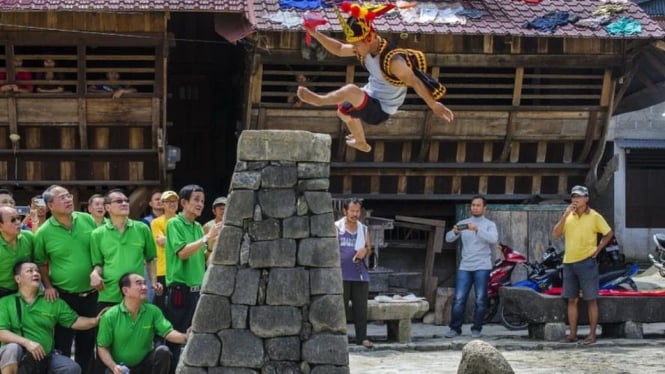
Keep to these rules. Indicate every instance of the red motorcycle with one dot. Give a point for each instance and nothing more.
(501, 277)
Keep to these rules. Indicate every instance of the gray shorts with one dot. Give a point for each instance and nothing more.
(9, 354)
(583, 276)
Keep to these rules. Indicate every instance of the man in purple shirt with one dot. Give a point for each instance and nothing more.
(354, 247)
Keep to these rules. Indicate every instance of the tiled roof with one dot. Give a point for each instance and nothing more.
(653, 8)
(140, 5)
(503, 17)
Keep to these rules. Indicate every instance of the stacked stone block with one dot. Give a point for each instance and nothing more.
(271, 300)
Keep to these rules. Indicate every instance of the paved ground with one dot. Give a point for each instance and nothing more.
(430, 352)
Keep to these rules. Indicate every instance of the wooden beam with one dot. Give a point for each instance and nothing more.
(402, 181)
(375, 180)
(517, 86)
(591, 129)
(422, 221)
(511, 127)
(442, 166)
(433, 157)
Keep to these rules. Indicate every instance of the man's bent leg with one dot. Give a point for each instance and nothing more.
(63, 365)
(10, 355)
(355, 127)
(158, 361)
(462, 288)
(350, 93)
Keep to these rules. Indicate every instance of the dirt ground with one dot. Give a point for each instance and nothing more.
(570, 361)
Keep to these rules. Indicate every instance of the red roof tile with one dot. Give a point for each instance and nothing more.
(100, 5)
(503, 17)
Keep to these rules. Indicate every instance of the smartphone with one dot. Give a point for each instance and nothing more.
(22, 210)
(462, 226)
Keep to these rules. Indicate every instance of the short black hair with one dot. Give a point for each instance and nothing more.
(187, 191)
(125, 281)
(481, 198)
(95, 196)
(4, 191)
(107, 197)
(352, 200)
(48, 193)
(19, 265)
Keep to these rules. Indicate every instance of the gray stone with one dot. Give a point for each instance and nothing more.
(279, 203)
(257, 165)
(202, 350)
(247, 285)
(323, 226)
(281, 367)
(221, 370)
(301, 206)
(319, 202)
(552, 332)
(309, 170)
(304, 367)
(244, 250)
(184, 369)
(239, 207)
(273, 253)
(325, 281)
(274, 321)
(479, 357)
(263, 285)
(295, 227)
(288, 287)
(313, 185)
(219, 280)
(228, 246)
(240, 166)
(306, 332)
(241, 348)
(264, 230)
(246, 180)
(328, 369)
(283, 163)
(258, 213)
(212, 314)
(287, 348)
(318, 252)
(287, 145)
(239, 316)
(327, 314)
(279, 177)
(326, 349)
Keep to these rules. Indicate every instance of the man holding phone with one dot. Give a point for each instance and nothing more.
(479, 235)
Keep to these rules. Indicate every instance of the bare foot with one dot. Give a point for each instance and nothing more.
(362, 147)
(309, 97)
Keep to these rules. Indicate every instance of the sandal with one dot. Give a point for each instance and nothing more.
(568, 339)
(367, 344)
(589, 340)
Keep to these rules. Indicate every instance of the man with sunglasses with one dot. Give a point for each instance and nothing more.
(117, 247)
(63, 243)
(15, 245)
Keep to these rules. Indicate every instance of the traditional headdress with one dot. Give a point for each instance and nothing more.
(358, 26)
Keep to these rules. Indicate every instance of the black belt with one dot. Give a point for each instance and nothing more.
(191, 289)
(80, 294)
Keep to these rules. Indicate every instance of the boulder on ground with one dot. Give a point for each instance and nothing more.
(479, 357)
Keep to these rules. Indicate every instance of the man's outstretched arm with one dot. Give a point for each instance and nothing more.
(333, 45)
(401, 70)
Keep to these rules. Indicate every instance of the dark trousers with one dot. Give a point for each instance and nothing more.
(84, 341)
(357, 292)
(160, 301)
(181, 317)
(156, 362)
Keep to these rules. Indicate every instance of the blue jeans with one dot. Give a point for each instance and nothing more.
(480, 280)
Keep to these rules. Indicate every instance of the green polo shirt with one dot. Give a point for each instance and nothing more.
(67, 252)
(9, 256)
(128, 339)
(38, 319)
(118, 253)
(180, 232)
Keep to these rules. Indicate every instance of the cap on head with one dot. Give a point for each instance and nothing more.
(579, 190)
(219, 201)
(358, 26)
(168, 195)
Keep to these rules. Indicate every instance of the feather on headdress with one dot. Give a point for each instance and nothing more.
(358, 26)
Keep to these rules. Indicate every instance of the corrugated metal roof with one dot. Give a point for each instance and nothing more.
(653, 7)
(126, 5)
(504, 17)
(641, 143)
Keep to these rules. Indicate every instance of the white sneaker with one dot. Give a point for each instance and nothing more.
(451, 334)
(475, 334)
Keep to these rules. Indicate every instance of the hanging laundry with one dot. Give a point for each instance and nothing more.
(624, 26)
(550, 21)
(594, 23)
(301, 4)
(288, 19)
(470, 13)
(609, 9)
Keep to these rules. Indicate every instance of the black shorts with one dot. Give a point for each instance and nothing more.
(369, 111)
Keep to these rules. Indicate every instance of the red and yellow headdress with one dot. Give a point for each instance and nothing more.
(358, 26)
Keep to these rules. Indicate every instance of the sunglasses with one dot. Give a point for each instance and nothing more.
(119, 201)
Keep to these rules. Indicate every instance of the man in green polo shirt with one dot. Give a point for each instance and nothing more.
(127, 331)
(15, 245)
(185, 260)
(119, 246)
(32, 332)
(63, 242)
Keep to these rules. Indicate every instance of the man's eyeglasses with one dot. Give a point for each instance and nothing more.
(119, 201)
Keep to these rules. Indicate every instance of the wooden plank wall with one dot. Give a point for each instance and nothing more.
(529, 113)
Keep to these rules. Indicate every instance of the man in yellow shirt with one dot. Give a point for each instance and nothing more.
(581, 225)
(158, 226)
